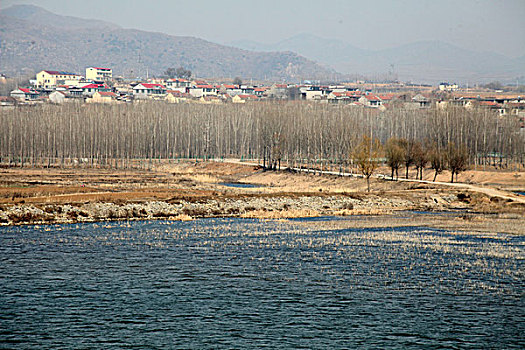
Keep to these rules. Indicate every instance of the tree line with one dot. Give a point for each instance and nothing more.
(294, 133)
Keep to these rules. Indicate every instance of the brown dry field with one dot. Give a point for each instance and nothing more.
(199, 181)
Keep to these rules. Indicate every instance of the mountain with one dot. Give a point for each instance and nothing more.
(38, 15)
(33, 39)
(424, 61)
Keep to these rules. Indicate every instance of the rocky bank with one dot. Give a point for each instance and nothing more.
(255, 207)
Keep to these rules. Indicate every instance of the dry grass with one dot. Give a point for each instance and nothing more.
(200, 181)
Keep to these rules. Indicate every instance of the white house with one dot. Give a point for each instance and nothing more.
(370, 101)
(149, 90)
(24, 94)
(57, 97)
(99, 73)
(203, 90)
(178, 84)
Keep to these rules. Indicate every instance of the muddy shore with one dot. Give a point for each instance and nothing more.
(188, 191)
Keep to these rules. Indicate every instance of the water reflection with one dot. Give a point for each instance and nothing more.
(243, 283)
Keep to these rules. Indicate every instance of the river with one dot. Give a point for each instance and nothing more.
(243, 283)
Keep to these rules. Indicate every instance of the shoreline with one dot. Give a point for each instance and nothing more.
(189, 190)
(446, 212)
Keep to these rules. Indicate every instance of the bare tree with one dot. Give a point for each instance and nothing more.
(394, 155)
(457, 157)
(366, 156)
(420, 159)
(437, 159)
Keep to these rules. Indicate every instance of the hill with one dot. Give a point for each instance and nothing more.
(33, 39)
(424, 61)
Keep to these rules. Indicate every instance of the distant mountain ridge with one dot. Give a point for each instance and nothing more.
(38, 15)
(33, 39)
(424, 61)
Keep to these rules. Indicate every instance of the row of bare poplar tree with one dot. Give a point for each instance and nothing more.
(295, 133)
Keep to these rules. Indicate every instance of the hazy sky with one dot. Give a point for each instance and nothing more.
(483, 25)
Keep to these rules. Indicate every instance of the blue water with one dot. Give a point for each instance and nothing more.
(242, 283)
(239, 185)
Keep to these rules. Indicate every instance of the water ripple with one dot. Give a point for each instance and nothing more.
(246, 283)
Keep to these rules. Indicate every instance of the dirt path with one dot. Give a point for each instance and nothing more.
(491, 192)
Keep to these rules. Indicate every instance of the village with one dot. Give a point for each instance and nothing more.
(98, 85)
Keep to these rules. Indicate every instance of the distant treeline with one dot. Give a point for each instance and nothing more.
(295, 133)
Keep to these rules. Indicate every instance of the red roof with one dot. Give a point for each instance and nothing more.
(386, 96)
(107, 93)
(205, 86)
(92, 86)
(482, 103)
(152, 86)
(26, 90)
(248, 97)
(100, 68)
(229, 86)
(261, 89)
(372, 98)
(177, 93)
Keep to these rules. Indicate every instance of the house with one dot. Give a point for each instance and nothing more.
(387, 98)
(51, 78)
(103, 97)
(247, 90)
(420, 101)
(243, 98)
(24, 94)
(178, 84)
(175, 96)
(231, 90)
(338, 97)
(260, 91)
(370, 101)
(493, 106)
(210, 99)
(198, 91)
(145, 90)
(90, 89)
(448, 87)
(57, 97)
(278, 91)
(7, 101)
(99, 74)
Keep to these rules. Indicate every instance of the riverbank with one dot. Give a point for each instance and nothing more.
(189, 190)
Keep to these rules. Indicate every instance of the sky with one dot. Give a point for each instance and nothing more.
(481, 25)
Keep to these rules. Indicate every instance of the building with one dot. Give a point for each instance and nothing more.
(149, 90)
(51, 78)
(24, 94)
(200, 90)
(175, 96)
(90, 89)
(57, 97)
(98, 74)
(370, 101)
(178, 84)
(244, 98)
(103, 97)
(7, 101)
(448, 87)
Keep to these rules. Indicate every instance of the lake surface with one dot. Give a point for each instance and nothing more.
(243, 283)
(239, 185)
